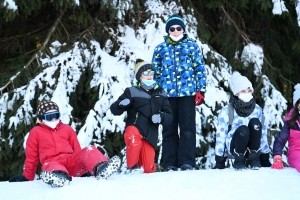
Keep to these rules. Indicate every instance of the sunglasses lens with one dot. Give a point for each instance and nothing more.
(172, 29)
(147, 73)
(52, 116)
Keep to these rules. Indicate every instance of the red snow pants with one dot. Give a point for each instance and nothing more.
(138, 150)
(75, 164)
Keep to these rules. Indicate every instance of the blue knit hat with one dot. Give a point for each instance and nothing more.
(175, 20)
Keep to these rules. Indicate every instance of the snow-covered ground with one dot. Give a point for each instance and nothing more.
(265, 183)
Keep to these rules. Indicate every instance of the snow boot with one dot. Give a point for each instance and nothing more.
(186, 167)
(239, 161)
(171, 169)
(253, 159)
(159, 168)
(56, 178)
(135, 170)
(106, 169)
(264, 159)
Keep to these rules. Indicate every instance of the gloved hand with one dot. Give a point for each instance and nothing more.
(124, 103)
(277, 162)
(199, 98)
(18, 178)
(264, 160)
(220, 162)
(156, 118)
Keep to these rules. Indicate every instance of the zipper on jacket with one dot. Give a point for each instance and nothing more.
(136, 116)
(175, 67)
(151, 97)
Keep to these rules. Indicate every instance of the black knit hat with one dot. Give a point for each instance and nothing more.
(141, 66)
(44, 107)
(175, 20)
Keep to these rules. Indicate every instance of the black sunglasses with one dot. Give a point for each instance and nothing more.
(51, 116)
(172, 29)
(148, 73)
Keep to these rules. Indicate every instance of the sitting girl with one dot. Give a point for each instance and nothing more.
(290, 132)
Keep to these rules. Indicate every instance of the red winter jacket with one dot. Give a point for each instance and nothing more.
(45, 143)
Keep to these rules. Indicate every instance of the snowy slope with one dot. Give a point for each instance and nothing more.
(265, 183)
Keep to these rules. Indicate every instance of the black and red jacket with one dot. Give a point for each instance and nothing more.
(144, 104)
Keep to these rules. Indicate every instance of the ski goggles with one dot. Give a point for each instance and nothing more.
(179, 28)
(51, 116)
(148, 73)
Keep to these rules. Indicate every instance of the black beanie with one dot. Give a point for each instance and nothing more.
(45, 106)
(175, 20)
(141, 66)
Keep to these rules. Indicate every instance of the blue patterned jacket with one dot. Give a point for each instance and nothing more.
(223, 137)
(180, 67)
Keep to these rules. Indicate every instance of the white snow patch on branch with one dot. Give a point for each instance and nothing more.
(278, 7)
(10, 4)
(253, 54)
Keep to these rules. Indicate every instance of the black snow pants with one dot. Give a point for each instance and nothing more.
(179, 147)
(247, 137)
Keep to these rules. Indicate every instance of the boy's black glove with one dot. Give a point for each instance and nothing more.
(18, 178)
(220, 162)
(264, 160)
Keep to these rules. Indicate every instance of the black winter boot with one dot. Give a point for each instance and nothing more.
(185, 167)
(105, 169)
(171, 169)
(253, 159)
(239, 161)
(136, 169)
(264, 160)
(220, 162)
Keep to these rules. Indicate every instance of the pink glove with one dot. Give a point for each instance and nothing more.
(199, 98)
(277, 162)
